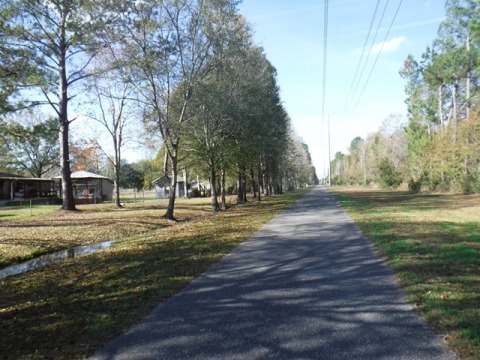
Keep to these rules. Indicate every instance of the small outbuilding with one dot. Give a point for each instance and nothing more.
(88, 188)
(162, 187)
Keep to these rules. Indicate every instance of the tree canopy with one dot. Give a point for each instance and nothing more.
(31, 149)
(188, 70)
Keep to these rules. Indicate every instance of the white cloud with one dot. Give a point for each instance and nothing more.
(390, 45)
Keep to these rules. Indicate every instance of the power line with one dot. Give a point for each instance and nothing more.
(325, 47)
(378, 55)
(368, 55)
(363, 51)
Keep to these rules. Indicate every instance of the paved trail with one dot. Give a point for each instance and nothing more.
(306, 286)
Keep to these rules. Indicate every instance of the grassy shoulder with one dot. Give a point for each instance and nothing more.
(68, 310)
(433, 243)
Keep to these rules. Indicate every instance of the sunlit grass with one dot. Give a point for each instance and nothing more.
(432, 243)
(67, 310)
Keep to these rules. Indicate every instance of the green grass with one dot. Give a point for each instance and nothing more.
(22, 212)
(433, 243)
(474, 238)
(68, 310)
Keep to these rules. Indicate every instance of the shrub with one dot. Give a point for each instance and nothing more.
(389, 176)
(414, 186)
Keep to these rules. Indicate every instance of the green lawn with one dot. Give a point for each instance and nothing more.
(433, 243)
(68, 310)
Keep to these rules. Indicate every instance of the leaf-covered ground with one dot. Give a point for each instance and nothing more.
(67, 310)
(433, 243)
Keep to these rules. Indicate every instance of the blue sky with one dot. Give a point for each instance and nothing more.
(291, 33)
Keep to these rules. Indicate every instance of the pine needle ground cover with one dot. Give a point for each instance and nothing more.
(68, 310)
(432, 242)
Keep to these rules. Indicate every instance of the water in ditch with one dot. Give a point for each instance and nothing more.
(54, 257)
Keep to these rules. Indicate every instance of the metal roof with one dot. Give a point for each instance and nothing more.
(87, 174)
(82, 174)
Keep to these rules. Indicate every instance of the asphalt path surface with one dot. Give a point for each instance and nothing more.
(307, 285)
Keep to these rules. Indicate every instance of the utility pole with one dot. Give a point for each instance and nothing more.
(364, 164)
(324, 180)
(325, 41)
(329, 156)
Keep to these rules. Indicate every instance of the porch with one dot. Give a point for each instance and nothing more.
(15, 188)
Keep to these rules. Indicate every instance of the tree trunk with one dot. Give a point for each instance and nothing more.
(268, 180)
(116, 183)
(244, 184)
(117, 168)
(116, 188)
(165, 162)
(68, 201)
(213, 187)
(185, 182)
(254, 185)
(239, 188)
(259, 197)
(173, 185)
(223, 190)
(264, 183)
(267, 185)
